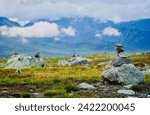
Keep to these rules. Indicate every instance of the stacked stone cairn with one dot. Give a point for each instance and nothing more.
(122, 71)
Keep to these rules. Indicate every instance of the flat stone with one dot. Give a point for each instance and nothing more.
(118, 61)
(148, 96)
(85, 86)
(132, 97)
(38, 95)
(10, 96)
(5, 92)
(123, 55)
(31, 90)
(141, 95)
(126, 92)
(128, 86)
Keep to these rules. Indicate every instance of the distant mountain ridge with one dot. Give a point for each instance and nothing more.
(6, 22)
(135, 37)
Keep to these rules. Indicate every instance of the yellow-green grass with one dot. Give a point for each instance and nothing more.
(3, 60)
(55, 72)
(60, 81)
(140, 58)
(47, 75)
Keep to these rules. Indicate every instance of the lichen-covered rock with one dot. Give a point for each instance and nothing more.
(24, 61)
(74, 61)
(118, 61)
(124, 74)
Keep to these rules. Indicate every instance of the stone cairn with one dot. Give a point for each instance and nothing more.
(122, 71)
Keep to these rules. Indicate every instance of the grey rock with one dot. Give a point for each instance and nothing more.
(123, 55)
(85, 86)
(38, 95)
(118, 61)
(125, 74)
(24, 61)
(31, 90)
(128, 86)
(146, 72)
(148, 96)
(141, 95)
(132, 97)
(126, 92)
(74, 61)
(5, 93)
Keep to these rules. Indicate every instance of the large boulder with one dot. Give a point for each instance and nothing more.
(24, 61)
(118, 61)
(74, 61)
(124, 74)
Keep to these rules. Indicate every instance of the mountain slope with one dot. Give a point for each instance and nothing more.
(134, 35)
(6, 22)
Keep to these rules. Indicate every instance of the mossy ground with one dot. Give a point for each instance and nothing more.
(57, 81)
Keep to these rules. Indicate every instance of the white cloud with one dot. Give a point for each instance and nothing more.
(70, 31)
(98, 35)
(109, 31)
(21, 22)
(117, 10)
(39, 29)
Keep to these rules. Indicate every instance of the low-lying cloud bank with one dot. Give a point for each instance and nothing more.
(37, 30)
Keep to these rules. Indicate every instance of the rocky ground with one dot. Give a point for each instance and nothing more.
(102, 89)
(106, 90)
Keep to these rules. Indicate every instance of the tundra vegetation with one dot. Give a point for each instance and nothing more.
(62, 81)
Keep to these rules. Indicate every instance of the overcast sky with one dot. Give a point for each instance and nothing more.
(116, 10)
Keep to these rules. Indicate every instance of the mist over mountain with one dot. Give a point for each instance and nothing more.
(84, 34)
